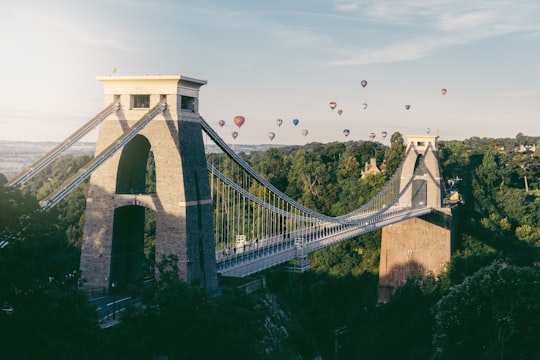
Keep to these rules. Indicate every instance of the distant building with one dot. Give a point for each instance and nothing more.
(526, 148)
(371, 167)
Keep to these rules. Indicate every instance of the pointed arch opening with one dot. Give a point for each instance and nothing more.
(136, 170)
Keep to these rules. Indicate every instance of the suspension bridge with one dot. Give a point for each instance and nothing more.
(215, 219)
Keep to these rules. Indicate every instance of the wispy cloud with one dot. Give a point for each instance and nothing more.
(445, 23)
(519, 93)
(71, 26)
(294, 37)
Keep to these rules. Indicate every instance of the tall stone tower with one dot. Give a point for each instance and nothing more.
(418, 246)
(119, 198)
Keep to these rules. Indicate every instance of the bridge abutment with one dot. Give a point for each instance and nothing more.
(417, 247)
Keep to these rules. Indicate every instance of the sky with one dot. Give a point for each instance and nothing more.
(281, 59)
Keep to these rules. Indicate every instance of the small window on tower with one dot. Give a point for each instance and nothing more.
(141, 101)
(188, 103)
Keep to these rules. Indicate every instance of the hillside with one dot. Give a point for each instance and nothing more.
(16, 155)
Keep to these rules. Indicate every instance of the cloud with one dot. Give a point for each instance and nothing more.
(520, 93)
(299, 37)
(445, 23)
(68, 25)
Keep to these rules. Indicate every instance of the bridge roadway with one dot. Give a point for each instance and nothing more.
(265, 253)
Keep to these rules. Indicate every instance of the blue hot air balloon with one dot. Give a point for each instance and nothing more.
(295, 122)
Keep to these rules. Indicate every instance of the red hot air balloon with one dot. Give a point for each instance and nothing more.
(363, 83)
(221, 123)
(333, 105)
(239, 120)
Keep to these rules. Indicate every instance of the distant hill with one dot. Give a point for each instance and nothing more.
(17, 155)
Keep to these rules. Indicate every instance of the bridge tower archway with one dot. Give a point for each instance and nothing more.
(118, 191)
(422, 158)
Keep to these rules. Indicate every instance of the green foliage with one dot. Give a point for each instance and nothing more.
(493, 314)
(473, 310)
(183, 322)
(355, 256)
(394, 154)
(39, 275)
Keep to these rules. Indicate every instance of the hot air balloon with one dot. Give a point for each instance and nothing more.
(271, 136)
(333, 105)
(239, 120)
(384, 134)
(234, 134)
(305, 132)
(364, 105)
(279, 122)
(443, 91)
(295, 122)
(221, 123)
(364, 83)
(114, 69)
(372, 136)
(407, 107)
(346, 132)
(428, 130)
(340, 111)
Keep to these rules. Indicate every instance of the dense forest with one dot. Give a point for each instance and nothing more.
(486, 306)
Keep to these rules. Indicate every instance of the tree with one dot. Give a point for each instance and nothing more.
(394, 154)
(493, 314)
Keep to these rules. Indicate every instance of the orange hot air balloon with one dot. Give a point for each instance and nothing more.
(443, 91)
(239, 120)
(221, 123)
(333, 105)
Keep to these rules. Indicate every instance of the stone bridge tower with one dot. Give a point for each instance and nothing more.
(419, 246)
(120, 199)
